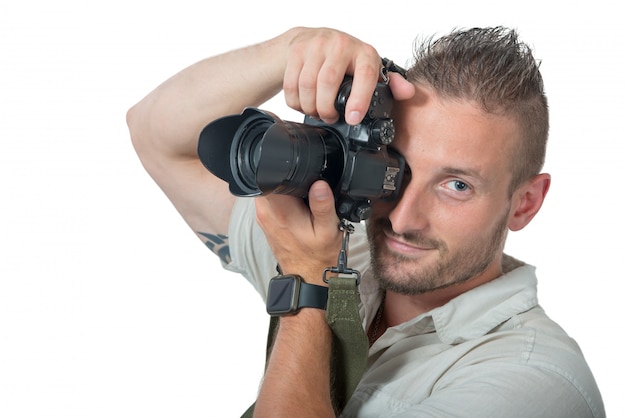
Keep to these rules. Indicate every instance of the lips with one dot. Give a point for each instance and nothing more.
(410, 245)
(405, 248)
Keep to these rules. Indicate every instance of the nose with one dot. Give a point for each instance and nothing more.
(409, 212)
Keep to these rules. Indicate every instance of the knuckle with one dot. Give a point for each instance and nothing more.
(307, 82)
(330, 76)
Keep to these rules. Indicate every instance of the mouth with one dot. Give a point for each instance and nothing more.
(409, 245)
(404, 248)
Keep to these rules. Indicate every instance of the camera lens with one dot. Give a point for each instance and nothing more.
(293, 156)
(257, 153)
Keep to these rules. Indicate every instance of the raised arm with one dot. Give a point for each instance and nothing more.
(165, 125)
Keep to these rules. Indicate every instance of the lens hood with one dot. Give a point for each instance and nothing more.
(219, 141)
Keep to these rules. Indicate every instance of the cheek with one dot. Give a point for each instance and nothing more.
(465, 224)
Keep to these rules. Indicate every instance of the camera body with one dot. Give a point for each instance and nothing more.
(267, 155)
(366, 151)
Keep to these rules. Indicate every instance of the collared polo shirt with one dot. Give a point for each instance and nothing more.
(490, 352)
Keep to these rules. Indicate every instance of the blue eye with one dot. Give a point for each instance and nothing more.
(458, 185)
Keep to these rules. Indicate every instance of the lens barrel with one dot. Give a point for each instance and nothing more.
(293, 156)
(257, 153)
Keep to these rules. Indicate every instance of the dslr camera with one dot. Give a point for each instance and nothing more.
(257, 153)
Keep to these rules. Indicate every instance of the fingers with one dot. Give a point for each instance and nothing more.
(277, 212)
(318, 220)
(365, 77)
(304, 240)
(329, 80)
(318, 60)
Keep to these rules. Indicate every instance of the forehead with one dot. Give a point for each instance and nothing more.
(451, 132)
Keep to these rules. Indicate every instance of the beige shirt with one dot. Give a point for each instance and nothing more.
(490, 352)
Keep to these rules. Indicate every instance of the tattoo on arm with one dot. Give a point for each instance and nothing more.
(218, 244)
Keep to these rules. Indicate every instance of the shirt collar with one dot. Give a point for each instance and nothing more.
(478, 311)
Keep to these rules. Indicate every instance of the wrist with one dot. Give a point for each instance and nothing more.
(308, 325)
(310, 273)
(288, 294)
(310, 317)
(310, 276)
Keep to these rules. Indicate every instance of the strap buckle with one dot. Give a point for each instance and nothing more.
(342, 260)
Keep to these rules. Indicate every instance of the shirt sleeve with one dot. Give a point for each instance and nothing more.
(250, 253)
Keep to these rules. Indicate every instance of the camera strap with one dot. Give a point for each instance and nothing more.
(350, 343)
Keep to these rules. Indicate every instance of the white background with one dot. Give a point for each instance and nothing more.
(109, 305)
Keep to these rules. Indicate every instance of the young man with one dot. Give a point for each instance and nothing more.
(454, 324)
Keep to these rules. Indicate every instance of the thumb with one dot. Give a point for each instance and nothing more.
(322, 203)
(401, 88)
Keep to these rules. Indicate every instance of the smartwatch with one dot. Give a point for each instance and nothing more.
(287, 294)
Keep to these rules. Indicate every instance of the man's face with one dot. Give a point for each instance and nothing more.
(449, 224)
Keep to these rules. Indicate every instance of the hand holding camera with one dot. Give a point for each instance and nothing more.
(258, 153)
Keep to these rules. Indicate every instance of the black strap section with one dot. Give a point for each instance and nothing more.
(312, 296)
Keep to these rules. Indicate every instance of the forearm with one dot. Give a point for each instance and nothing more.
(166, 124)
(297, 379)
(170, 118)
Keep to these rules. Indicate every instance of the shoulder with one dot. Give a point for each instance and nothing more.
(527, 366)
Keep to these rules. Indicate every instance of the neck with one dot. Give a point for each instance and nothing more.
(378, 326)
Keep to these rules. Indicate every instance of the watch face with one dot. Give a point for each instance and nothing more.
(281, 295)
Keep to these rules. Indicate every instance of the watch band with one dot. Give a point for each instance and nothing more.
(312, 296)
(287, 294)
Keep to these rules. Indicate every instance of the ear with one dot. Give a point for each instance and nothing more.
(527, 201)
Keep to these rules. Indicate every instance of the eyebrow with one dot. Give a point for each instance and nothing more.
(464, 172)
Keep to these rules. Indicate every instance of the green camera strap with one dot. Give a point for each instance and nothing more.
(350, 344)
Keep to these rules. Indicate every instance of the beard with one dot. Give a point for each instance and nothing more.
(409, 276)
